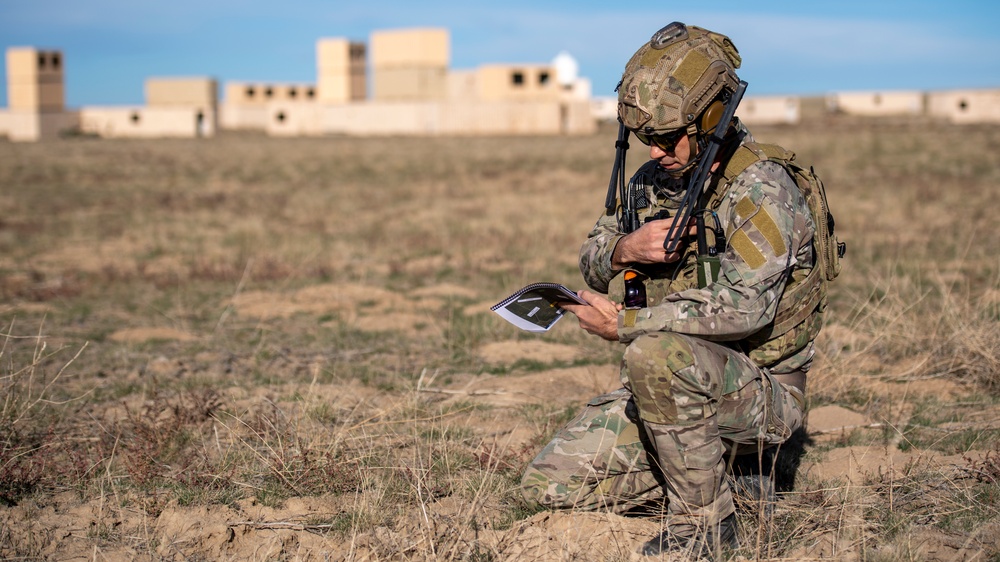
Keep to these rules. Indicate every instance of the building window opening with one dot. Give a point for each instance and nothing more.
(310, 93)
(250, 92)
(134, 117)
(280, 117)
(963, 105)
(41, 60)
(293, 93)
(268, 92)
(56, 61)
(543, 78)
(517, 78)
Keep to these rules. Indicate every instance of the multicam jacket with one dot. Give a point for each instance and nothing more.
(769, 233)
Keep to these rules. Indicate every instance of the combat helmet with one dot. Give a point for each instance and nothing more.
(674, 81)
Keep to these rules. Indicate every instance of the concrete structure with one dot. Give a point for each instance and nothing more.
(35, 80)
(410, 64)
(872, 104)
(415, 93)
(142, 122)
(769, 110)
(431, 118)
(340, 71)
(175, 107)
(246, 104)
(507, 82)
(199, 94)
(965, 106)
(35, 95)
(30, 126)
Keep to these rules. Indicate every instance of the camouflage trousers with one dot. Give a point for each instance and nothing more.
(664, 435)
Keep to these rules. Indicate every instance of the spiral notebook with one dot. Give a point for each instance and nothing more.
(535, 307)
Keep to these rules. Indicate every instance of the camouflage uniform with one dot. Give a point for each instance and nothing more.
(697, 383)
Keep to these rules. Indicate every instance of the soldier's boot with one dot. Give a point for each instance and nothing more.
(700, 513)
(755, 493)
(711, 544)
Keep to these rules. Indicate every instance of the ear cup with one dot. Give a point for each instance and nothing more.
(710, 118)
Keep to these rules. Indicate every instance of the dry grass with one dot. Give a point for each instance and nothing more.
(250, 347)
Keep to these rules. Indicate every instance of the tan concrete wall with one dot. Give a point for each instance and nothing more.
(462, 85)
(877, 103)
(35, 79)
(242, 117)
(410, 84)
(517, 83)
(409, 64)
(182, 92)
(604, 108)
(145, 122)
(30, 126)
(295, 119)
(249, 93)
(421, 47)
(774, 110)
(433, 118)
(341, 75)
(965, 106)
(578, 117)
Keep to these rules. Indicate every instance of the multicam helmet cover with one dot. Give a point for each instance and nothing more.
(672, 79)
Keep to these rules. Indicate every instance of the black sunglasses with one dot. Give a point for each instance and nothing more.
(664, 142)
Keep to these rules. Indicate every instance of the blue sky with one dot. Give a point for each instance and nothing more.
(801, 47)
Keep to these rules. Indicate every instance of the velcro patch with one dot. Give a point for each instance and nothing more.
(763, 222)
(745, 249)
(629, 320)
(689, 71)
(766, 225)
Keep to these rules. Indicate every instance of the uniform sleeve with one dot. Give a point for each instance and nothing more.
(768, 229)
(596, 253)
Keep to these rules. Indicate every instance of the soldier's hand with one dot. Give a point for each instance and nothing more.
(645, 245)
(599, 317)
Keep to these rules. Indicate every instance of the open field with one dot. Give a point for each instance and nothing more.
(253, 348)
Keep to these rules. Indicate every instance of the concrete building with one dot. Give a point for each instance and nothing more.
(246, 105)
(143, 122)
(770, 110)
(415, 93)
(410, 64)
(873, 104)
(965, 106)
(200, 94)
(341, 75)
(36, 95)
(175, 108)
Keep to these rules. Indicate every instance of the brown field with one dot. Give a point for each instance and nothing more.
(251, 348)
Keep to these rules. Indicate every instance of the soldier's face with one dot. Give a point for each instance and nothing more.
(672, 159)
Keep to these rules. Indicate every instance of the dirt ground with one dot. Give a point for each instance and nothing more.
(221, 352)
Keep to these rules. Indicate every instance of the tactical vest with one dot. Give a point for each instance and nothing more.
(799, 316)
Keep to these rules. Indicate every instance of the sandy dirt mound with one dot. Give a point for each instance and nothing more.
(574, 536)
(510, 352)
(834, 419)
(138, 335)
(368, 308)
(572, 385)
